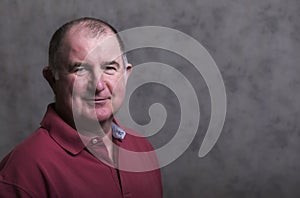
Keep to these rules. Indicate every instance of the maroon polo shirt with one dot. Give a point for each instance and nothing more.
(53, 162)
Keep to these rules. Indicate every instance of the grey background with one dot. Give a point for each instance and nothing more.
(256, 46)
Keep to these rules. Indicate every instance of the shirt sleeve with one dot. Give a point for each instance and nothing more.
(8, 190)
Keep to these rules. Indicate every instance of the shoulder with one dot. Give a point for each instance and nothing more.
(21, 168)
(29, 158)
(32, 149)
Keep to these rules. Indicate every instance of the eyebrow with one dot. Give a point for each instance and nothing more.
(111, 63)
(77, 64)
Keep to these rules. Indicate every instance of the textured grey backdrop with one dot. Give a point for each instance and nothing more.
(256, 45)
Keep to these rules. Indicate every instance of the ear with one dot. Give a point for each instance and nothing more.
(48, 75)
(128, 69)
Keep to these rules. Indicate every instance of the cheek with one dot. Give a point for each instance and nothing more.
(79, 87)
(118, 88)
(118, 96)
(71, 89)
(64, 88)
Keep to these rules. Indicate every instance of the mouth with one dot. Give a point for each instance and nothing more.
(98, 100)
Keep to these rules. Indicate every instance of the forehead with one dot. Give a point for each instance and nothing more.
(81, 43)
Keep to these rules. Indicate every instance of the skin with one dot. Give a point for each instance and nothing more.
(91, 80)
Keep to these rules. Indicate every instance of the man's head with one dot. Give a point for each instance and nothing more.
(87, 70)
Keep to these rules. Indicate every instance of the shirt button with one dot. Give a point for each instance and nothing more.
(94, 141)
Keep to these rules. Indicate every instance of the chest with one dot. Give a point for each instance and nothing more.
(86, 176)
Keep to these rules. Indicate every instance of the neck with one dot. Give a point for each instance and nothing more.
(86, 126)
(94, 128)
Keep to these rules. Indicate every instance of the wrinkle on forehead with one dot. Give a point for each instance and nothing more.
(79, 43)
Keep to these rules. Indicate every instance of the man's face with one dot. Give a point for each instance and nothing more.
(91, 77)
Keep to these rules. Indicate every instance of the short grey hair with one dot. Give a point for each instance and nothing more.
(95, 26)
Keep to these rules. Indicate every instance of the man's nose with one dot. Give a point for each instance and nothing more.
(100, 85)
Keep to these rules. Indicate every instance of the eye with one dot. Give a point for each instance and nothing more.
(110, 69)
(80, 71)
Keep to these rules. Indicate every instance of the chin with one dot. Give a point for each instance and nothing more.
(103, 115)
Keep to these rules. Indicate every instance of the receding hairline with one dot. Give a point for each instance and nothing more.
(92, 26)
(91, 31)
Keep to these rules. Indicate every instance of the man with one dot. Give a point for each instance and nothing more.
(77, 150)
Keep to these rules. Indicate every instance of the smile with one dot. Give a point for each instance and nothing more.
(99, 101)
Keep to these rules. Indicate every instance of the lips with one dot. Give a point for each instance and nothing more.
(98, 100)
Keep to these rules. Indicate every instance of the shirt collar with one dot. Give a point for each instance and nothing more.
(117, 132)
(66, 136)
